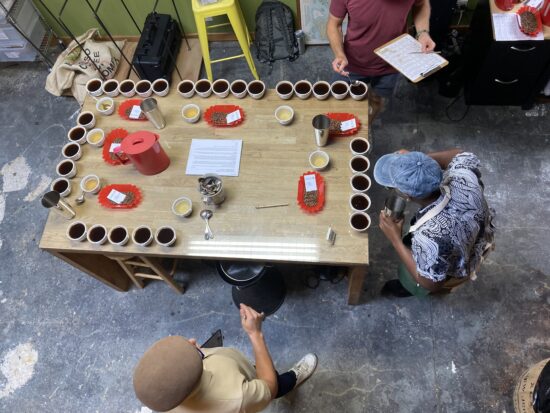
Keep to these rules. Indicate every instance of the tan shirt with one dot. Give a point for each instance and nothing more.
(228, 385)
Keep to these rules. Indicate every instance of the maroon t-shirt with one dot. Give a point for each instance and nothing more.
(371, 23)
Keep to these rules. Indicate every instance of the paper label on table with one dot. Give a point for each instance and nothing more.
(506, 26)
(233, 116)
(135, 113)
(221, 157)
(116, 197)
(403, 55)
(348, 124)
(3, 35)
(310, 183)
(114, 146)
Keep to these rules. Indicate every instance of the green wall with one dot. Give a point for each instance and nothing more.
(78, 16)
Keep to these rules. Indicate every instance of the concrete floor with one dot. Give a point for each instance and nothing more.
(69, 344)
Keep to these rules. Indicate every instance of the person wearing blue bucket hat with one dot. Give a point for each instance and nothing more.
(451, 233)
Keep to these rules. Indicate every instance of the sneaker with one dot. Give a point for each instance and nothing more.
(395, 288)
(304, 368)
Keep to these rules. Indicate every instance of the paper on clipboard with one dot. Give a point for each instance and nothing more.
(402, 53)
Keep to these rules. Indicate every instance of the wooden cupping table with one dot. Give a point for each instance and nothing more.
(273, 158)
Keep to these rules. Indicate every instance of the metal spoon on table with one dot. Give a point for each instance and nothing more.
(206, 214)
(80, 199)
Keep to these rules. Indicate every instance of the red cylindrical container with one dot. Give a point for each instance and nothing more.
(144, 151)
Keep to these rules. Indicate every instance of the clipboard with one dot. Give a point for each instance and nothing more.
(402, 54)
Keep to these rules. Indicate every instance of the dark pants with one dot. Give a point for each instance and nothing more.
(285, 382)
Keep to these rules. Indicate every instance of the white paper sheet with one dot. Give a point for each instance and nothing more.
(221, 157)
(116, 197)
(506, 27)
(403, 55)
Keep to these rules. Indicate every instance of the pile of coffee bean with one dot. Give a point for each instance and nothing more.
(335, 126)
(129, 198)
(219, 118)
(311, 198)
(528, 22)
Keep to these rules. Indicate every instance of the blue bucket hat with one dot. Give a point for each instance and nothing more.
(413, 173)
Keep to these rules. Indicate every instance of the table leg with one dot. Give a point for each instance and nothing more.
(98, 266)
(356, 277)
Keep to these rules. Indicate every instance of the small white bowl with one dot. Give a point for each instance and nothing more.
(75, 156)
(194, 118)
(88, 189)
(182, 207)
(116, 242)
(86, 114)
(114, 92)
(128, 92)
(96, 92)
(61, 166)
(204, 93)
(322, 96)
(285, 96)
(254, 95)
(77, 226)
(91, 236)
(225, 84)
(359, 96)
(188, 93)
(284, 120)
(140, 242)
(91, 137)
(360, 177)
(359, 146)
(359, 160)
(67, 191)
(357, 197)
(81, 130)
(342, 95)
(105, 106)
(161, 241)
(164, 84)
(360, 216)
(242, 93)
(305, 95)
(319, 160)
(144, 88)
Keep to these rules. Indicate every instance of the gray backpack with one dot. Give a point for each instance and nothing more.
(275, 38)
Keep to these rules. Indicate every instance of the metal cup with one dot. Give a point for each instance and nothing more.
(395, 207)
(211, 189)
(53, 200)
(321, 125)
(150, 108)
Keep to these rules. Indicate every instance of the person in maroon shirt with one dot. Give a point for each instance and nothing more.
(372, 23)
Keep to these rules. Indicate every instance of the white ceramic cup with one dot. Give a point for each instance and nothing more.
(359, 221)
(127, 88)
(359, 146)
(321, 94)
(303, 89)
(186, 88)
(97, 234)
(203, 88)
(359, 164)
(91, 137)
(161, 87)
(72, 150)
(118, 235)
(92, 89)
(238, 88)
(253, 89)
(336, 93)
(61, 186)
(359, 202)
(182, 211)
(144, 88)
(66, 168)
(358, 95)
(106, 101)
(111, 88)
(191, 119)
(221, 88)
(165, 236)
(76, 231)
(77, 134)
(284, 89)
(282, 109)
(86, 119)
(90, 184)
(315, 159)
(360, 182)
(142, 236)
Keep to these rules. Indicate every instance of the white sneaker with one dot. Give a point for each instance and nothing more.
(304, 368)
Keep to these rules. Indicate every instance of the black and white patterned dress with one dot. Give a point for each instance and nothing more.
(453, 243)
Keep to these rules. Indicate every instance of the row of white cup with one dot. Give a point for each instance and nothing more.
(127, 88)
(90, 184)
(222, 88)
(360, 182)
(303, 89)
(119, 235)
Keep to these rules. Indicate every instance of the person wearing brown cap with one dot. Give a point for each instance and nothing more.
(176, 375)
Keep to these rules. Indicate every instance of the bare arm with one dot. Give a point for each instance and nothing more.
(443, 158)
(393, 231)
(251, 321)
(336, 40)
(421, 17)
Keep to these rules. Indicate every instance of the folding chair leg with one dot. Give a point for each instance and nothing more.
(155, 264)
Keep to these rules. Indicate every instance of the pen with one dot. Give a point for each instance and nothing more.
(425, 52)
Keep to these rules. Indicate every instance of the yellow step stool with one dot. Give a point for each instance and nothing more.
(233, 11)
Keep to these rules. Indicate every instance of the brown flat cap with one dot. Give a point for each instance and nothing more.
(167, 373)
